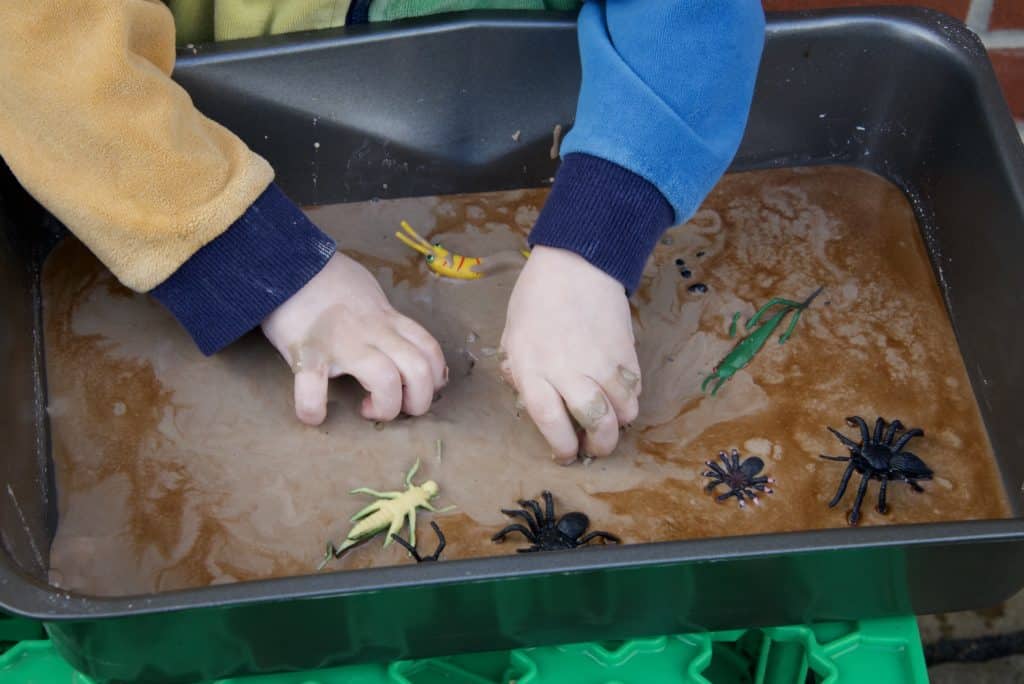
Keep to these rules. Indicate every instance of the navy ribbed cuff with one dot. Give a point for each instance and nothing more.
(232, 283)
(607, 214)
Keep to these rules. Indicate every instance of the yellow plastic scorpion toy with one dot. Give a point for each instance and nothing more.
(442, 262)
(390, 511)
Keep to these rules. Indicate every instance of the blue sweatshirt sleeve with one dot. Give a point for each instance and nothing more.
(232, 283)
(667, 87)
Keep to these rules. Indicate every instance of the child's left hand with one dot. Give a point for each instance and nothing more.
(570, 351)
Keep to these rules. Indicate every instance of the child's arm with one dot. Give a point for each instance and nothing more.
(667, 86)
(176, 205)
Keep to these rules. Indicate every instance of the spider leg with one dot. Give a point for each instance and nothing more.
(524, 515)
(408, 547)
(857, 421)
(535, 509)
(599, 534)
(710, 487)
(549, 508)
(515, 527)
(735, 460)
(849, 443)
(879, 427)
(834, 458)
(724, 458)
(441, 541)
(894, 427)
(861, 490)
(530, 549)
(752, 496)
(916, 487)
(714, 464)
(881, 495)
(842, 486)
(716, 470)
(907, 436)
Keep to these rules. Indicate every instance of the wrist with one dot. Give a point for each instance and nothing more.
(232, 283)
(609, 216)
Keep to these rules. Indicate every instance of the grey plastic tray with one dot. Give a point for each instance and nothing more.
(428, 108)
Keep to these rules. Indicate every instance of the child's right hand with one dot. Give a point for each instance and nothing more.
(341, 323)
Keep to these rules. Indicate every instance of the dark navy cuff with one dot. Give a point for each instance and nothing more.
(607, 214)
(232, 283)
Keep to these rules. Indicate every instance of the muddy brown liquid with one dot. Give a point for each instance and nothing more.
(175, 470)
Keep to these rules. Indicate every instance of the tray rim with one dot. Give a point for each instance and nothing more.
(29, 596)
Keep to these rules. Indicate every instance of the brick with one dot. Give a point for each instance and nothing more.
(1008, 14)
(1009, 66)
(954, 8)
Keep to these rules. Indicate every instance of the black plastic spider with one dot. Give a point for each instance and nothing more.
(547, 534)
(415, 554)
(878, 458)
(740, 477)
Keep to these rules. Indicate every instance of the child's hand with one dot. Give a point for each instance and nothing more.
(341, 323)
(569, 338)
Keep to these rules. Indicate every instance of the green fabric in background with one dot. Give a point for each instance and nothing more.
(205, 21)
(390, 10)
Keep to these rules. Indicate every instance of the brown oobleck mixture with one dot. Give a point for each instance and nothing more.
(175, 470)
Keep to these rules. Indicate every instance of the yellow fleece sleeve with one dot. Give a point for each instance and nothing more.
(94, 128)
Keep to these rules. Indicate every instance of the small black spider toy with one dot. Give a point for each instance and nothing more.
(547, 534)
(877, 457)
(739, 476)
(415, 554)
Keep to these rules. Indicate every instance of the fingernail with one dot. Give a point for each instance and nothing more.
(445, 376)
(628, 378)
(563, 460)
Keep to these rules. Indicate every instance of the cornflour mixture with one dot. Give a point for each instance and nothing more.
(175, 470)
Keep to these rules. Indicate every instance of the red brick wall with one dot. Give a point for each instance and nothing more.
(1000, 23)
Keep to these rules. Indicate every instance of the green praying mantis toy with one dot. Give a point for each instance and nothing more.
(744, 352)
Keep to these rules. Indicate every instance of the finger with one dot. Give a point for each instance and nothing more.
(593, 411)
(623, 390)
(311, 396)
(415, 371)
(380, 378)
(428, 346)
(544, 404)
(505, 370)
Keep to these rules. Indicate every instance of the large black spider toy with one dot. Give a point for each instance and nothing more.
(741, 477)
(415, 554)
(879, 457)
(545, 533)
